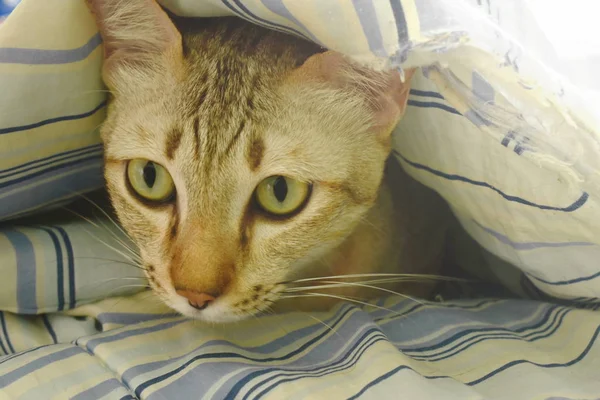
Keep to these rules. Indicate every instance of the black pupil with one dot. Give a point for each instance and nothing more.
(150, 174)
(280, 189)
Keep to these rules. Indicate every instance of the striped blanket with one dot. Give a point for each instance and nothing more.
(503, 122)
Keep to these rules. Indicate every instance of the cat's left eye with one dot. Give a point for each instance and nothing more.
(150, 180)
(282, 196)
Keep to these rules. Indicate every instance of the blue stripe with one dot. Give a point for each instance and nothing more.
(543, 333)
(379, 380)
(426, 93)
(520, 149)
(234, 391)
(254, 18)
(5, 332)
(575, 206)
(494, 337)
(395, 315)
(4, 350)
(530, 289)
(502, 313)
(431, 104)
(26, 270)
(549, 365)
(401, 25)
(529, 245)
(289, 339)
(49, 328)
(18, 373)
(349, 360)
(241, 383)
(42, 162)
(489, 375)
(60, 294)
(11, 55)
(70, 265)
(565, 282)
(53, 120)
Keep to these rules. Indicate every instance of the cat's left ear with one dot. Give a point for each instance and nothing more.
(385, 92)
(137, 35)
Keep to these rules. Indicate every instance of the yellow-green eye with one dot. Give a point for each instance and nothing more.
(281, 196)
(150, 180)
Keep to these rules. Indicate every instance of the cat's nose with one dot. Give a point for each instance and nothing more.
(195, 299)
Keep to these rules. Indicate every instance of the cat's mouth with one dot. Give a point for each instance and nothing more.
(230, 307)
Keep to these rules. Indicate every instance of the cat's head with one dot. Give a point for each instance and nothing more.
(236, 156)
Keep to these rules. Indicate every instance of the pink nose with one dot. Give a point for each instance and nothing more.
(197, 300)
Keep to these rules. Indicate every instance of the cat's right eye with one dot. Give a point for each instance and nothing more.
(150, 181)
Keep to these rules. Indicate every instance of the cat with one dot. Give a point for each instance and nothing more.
(249, 166)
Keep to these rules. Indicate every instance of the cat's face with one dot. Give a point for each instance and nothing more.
(235, 172)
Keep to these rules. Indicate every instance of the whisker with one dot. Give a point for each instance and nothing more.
(275, 317)
(131, 257)
(353, 284)
(321, 322)
(335, 284)
(105, 281)
(111, 219)
(343, 298)
(376, 275)
(380, 232)
(124, 287)
(110, 261)
(106, 214)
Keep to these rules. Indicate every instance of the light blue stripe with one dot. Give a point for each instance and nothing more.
(508, 315)
(368, 19)
(55, 204)
(85, 177)
(536, 331)
(100, 390)
(93, 343)
(130, 318)
(321, 347)
(10, 55)
(18, 373)
(482, 88)
(277, 7)
(348, 360)
(26, 270)
(50, 160)
(561, 365)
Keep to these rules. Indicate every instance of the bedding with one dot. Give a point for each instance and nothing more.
(503, 122)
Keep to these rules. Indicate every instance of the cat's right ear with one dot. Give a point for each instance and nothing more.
(386, 92)
(137, 35)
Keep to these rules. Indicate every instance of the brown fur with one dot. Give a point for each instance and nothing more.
(223, 104)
